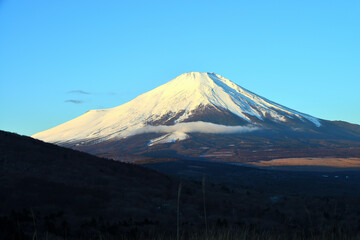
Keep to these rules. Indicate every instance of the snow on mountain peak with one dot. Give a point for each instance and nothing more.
(176, 100)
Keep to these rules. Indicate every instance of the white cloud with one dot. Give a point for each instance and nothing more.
(194, 127)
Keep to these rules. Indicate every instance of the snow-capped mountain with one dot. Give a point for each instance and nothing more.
(193, 103)
(177, 101)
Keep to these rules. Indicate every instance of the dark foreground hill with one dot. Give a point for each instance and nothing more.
(52, 192)
(71, 188)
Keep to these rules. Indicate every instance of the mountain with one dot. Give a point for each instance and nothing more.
(191, 97)
(180, 117)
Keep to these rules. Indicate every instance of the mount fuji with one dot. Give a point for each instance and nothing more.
(204, 115)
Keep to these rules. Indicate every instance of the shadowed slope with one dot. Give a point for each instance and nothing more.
(49, 179)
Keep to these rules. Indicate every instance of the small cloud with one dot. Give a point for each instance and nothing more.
(79, 92)
(74, 101)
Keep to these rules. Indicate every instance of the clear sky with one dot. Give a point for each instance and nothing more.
(59, 59)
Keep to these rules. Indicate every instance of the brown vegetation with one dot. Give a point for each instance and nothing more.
(326, 162)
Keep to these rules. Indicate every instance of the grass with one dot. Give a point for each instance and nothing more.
(204, 233)
(215, 234)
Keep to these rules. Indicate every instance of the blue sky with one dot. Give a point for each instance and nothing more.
(59, 59)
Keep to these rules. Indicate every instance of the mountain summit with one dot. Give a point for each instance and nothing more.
(191, 104)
